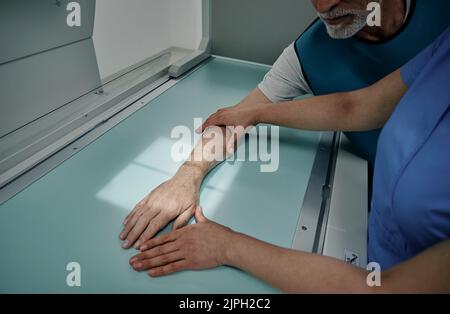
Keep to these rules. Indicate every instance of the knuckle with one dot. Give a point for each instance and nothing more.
(169, 268)
(188, 242)
(164, 259)
(132, 235)
(157, 208)
(166, 206)
(148, 244)
(165, 217)
(138, 214)
(143, 218)
(183, 221)
(139, 205)
(144, 237)
(165, 237)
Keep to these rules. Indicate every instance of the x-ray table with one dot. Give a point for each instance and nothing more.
(74, 213)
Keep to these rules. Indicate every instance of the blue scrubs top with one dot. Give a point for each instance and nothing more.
(411, 193)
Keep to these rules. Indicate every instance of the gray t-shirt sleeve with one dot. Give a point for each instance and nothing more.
(285, 81)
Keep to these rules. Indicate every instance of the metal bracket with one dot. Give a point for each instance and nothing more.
(310, 233)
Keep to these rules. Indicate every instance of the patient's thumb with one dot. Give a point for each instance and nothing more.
(199, 217)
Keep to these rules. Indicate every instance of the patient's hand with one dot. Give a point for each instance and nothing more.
(176, 199)
(199, 246)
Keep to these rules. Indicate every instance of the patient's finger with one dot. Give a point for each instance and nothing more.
(155, 225)
(136, 208)
(134, 234)
(184, 218)
(199, 217)
(129, 226)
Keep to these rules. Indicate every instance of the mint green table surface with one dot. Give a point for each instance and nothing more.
(75, 213)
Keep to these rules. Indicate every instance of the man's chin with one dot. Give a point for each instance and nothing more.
(341, 32)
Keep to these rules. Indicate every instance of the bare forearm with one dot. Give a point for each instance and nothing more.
(359, 110)
(324, 113)
(208, 153)
(197, 165)
(293, 271)
(256, 97)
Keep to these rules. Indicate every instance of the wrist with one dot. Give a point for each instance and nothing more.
(231, 249)
(192, 171)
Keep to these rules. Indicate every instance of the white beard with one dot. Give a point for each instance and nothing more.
(343, 32)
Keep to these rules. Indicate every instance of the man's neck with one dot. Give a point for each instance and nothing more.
(392, 19)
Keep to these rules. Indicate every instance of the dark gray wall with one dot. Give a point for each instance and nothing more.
(28, 26)
(258, 30)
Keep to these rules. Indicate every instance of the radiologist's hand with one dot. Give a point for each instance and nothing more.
(176, 199)
(233, 116)
(199, 246)
(241, 117)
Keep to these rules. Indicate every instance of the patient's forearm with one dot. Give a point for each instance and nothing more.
(197, 166)
(208, 153)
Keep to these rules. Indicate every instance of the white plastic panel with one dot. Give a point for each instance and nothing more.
(127, 32)
(346, 232)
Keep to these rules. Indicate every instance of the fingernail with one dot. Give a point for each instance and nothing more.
(137, 245)
(133, 260)
(137, 265)
(125, 244)
(122, 235)
(143, 247)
